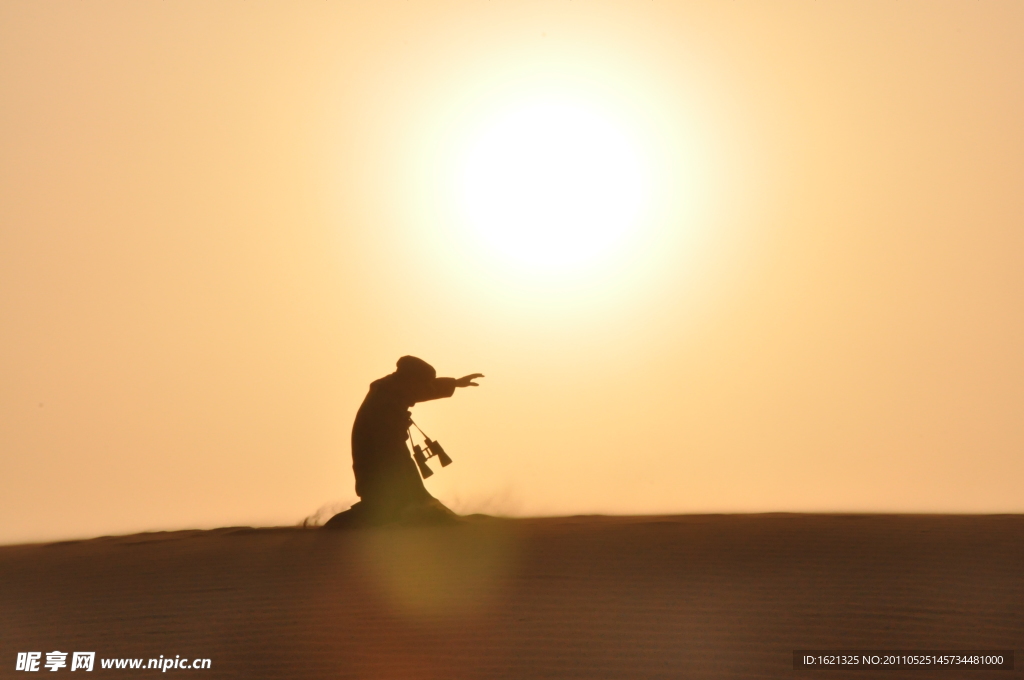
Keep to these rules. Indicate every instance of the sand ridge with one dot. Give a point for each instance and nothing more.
(694, 596)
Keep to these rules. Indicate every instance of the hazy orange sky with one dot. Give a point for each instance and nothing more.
(219, 222)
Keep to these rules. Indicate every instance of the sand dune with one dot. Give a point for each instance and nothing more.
(703, 596)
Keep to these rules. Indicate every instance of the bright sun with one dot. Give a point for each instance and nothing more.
(553, 186)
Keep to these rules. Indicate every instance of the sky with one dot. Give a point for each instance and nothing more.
(710, 256)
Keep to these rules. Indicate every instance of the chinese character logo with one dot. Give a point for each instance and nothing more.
(55, 660)
(28, 661)
(83, 660)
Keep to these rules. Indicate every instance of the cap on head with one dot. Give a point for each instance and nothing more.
(415, 368)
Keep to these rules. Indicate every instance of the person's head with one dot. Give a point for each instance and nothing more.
(415, 370)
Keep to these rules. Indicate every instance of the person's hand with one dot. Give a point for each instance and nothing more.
(467, 380)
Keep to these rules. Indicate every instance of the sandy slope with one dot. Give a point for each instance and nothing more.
(707, 596)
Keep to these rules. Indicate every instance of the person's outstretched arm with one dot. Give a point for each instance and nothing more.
(441, 388)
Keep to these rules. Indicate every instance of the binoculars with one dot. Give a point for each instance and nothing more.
(430, 449)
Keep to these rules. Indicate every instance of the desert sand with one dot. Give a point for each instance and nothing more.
(697, 596)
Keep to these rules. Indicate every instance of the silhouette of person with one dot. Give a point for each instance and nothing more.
(387, 480)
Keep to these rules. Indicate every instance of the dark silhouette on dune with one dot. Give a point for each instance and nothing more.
(387, 480)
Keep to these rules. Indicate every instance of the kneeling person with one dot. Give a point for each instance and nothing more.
(387, 480)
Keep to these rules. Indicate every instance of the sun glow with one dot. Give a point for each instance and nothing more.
(552, 186)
